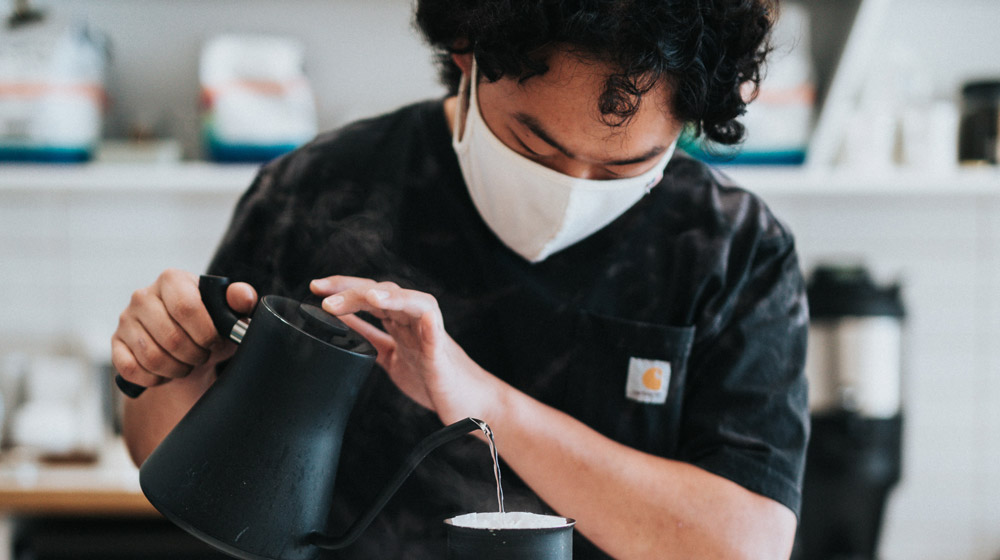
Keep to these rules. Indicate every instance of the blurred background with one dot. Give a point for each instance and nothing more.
(125, 142)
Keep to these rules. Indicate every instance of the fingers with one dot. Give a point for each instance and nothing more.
(334, 284)
(178, 290)
(382, 341)
(428, 328)
(143, 355)
(241, 297)
(385, 300)
(166, 331)
(169, 336)
(128, 366)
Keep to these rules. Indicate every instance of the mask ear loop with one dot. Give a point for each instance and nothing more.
(464, 102)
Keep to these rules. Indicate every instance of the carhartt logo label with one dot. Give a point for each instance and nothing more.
(653, 378)
(648, 380)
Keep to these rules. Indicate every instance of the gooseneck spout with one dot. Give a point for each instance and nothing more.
(428, 444)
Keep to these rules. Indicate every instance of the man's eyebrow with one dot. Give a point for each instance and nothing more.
(538, 130)
(653, 152)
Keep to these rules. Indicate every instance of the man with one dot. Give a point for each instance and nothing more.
(532, 252)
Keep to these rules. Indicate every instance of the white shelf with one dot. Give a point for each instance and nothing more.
(231, 180)
(154, 178)
(902, 182)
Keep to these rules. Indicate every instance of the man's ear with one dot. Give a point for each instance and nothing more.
(463, 61)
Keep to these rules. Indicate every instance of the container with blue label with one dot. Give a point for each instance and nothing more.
(52, 91)
(256, 101)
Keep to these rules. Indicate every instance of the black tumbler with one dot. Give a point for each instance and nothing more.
(978, 131)
(548, 543)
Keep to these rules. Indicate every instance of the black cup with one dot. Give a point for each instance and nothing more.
(549, 543)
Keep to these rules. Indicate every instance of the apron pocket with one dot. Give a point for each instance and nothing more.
(628, 382)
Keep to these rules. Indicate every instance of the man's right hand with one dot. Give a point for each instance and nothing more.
(165, 332)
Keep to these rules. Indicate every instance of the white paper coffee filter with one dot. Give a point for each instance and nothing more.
(508, 520)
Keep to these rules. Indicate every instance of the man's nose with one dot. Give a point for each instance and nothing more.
(578, 169)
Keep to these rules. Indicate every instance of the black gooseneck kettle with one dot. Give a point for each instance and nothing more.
(250, 469)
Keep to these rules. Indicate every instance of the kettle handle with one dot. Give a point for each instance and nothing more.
(213, 294)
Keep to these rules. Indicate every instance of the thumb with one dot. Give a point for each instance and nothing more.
(241, 297)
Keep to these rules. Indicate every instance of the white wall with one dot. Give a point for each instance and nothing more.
(954, 41)
(946, 252)
(68, 262)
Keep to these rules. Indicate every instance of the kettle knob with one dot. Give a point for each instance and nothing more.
(322, 321)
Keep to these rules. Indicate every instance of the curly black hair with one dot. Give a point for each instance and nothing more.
(709, 50)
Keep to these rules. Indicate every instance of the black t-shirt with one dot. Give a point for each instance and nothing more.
(679, 329)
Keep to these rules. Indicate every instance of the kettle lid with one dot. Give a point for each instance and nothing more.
(318, 324)
(849, 291)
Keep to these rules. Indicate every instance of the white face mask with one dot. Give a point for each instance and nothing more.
(534, 210)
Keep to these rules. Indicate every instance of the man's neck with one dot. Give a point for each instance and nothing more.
(450, 106)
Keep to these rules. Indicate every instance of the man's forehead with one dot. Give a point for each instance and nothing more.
(584, 91)
(614, 148)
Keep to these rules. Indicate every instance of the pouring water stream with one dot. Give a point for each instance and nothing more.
(496, 460)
